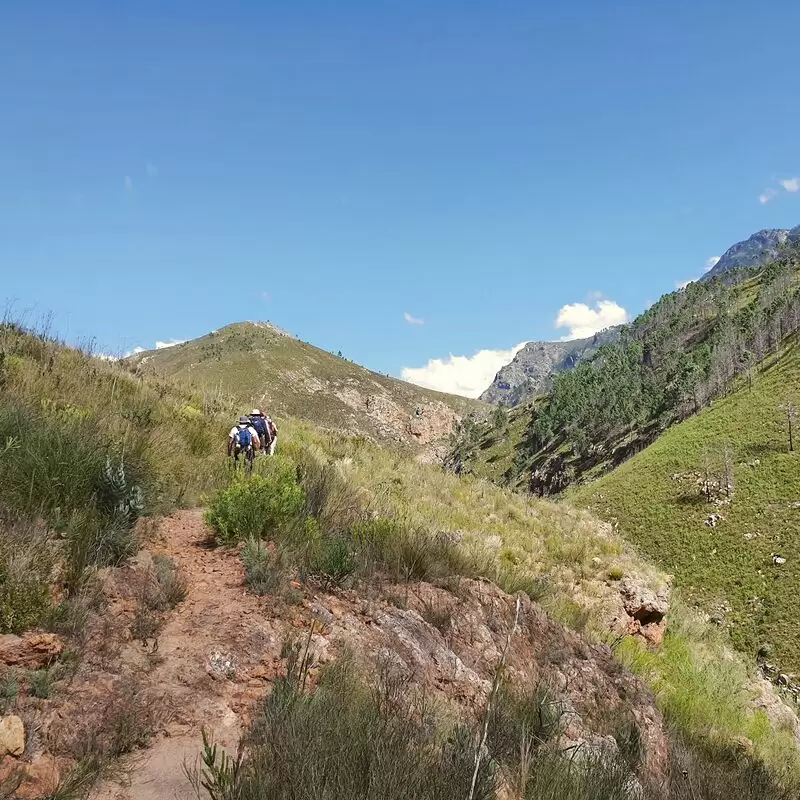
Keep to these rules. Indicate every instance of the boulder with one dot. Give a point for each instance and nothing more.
(642, 602)
(646, 609)
(32, 650)
(12, 736)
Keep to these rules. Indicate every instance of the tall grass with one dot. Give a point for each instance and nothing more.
(85, 448)
(347, 739)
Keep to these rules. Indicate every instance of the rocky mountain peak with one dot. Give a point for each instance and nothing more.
(532, 369)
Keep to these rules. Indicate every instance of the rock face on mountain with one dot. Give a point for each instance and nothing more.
(760, 248)
(533, 367)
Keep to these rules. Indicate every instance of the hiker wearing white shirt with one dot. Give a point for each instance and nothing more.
(243, 441)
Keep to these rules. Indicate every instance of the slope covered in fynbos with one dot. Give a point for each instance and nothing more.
(358, 589)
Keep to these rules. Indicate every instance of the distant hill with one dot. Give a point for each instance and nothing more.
(532, 369)
(261, 365)
(757, 250)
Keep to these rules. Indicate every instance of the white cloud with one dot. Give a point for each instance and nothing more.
(412, 320)
(152, 171)
(684, 284)
(766, 196)
(159, 346)
(712, 262)
(468, 376)
(791, 184)
(128, 183)
(583, 320)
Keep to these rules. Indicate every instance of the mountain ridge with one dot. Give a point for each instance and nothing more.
(531, 370)
(757, 250)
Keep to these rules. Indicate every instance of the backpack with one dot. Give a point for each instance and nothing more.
(273, 431)
(244, 440)
(261, 429)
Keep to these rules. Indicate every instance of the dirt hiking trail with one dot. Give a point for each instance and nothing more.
(213, 660)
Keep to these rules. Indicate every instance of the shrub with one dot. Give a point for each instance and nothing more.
(265, 570)
(537, 587)
(9, 691)
(259, 505)
(333, 501)
(26, 561)
(615, 572)
(408, 553)
(333, 560)
(24, 600)
(170, 583)
(521, 720)
(438, 612)
(95, 540)
(70, 616)
(62, 463)
(126, 722)
(40, 683)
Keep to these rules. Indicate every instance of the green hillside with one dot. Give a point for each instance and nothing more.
(655, 499)
(672, 361)
(261, 365)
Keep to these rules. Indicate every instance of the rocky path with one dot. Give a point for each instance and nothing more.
(213, 662)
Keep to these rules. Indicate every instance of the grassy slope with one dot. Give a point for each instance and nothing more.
(261, 366)
(563, 557)
(665, 517)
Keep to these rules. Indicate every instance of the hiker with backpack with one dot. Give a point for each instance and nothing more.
(258, 422)
(272, 428)
(243, 442)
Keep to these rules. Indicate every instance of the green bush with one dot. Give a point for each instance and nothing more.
(333, 560)
(24, 600)
(265, 571)
(521, 720)
(9, 692)
(70, 617)
(170, 583)
(261, 506)
(40, 683)
(336, 503)
(407, 553)
(61, 463)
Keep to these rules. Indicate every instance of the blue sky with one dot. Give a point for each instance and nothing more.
(349, 170)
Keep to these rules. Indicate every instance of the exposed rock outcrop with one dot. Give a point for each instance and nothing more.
(760, 248)
(646, 607)
(532, 369)
(33, 650)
